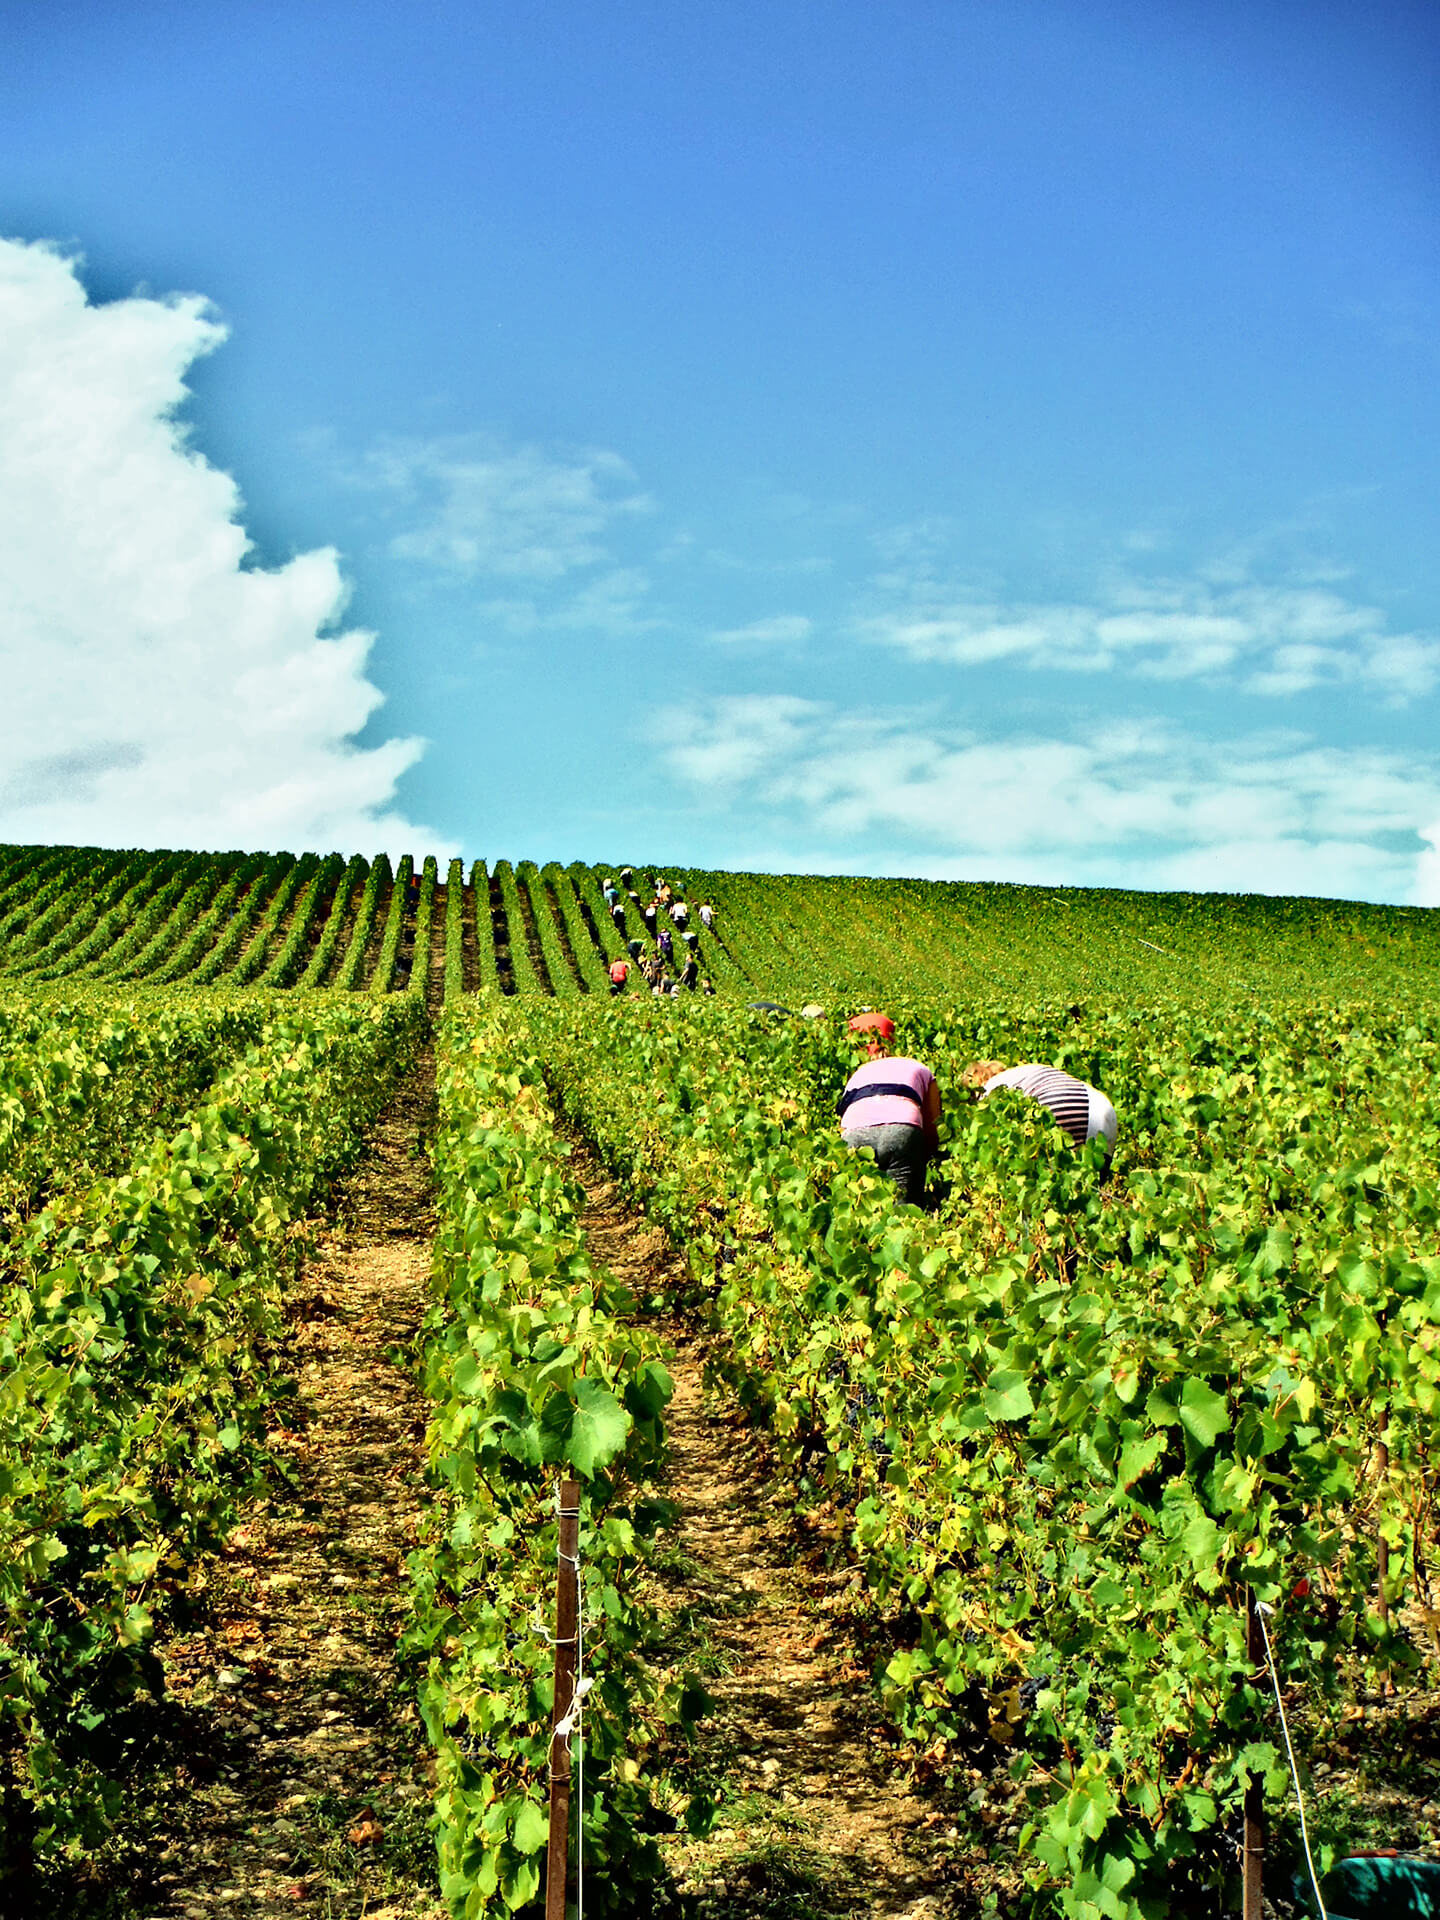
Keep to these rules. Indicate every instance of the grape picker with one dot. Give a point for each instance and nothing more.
(1083, 1111)
(892, 1106)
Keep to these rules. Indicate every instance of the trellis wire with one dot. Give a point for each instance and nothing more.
(1260, 1612)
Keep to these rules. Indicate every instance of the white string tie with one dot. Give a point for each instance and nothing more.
(564, 1728)
(1261, 1610)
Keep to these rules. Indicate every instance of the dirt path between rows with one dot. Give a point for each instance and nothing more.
(303, 1783)
(306, 1783)
(815, 1817)
(298, 1780)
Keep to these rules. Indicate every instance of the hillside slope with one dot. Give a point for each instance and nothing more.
(72, 917)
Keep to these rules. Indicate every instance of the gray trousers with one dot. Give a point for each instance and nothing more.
(900, 1153)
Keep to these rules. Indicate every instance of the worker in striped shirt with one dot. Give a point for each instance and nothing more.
(1082, 1110)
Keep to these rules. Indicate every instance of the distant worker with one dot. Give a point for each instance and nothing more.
(619, 974)
(891, 1105)
(689, 973)
(634, 948)
(647, 914)
(611, 892)
(666, 943)
(627, 876)
(692, 940)
(1082, 1110)
(707, 915)
(707, 985)
(680, 913)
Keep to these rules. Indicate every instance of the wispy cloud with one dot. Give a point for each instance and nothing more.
(612, 603)
(1139, 804)
(159, 689)
(1221, 624)
(532, 535)
(1397, 319)
(473, 506)
(781, 630)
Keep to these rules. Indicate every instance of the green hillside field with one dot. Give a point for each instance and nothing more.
(1065, 1424)
(83, 917)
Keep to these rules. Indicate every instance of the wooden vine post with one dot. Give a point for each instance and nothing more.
(567, 1626)
(1382, 1546)
(1382, 1553)
(1253, 1852)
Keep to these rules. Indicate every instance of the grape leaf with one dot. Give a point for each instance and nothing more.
(1006, 1395)
(598, 1430)
(1203, 1412)
(531, 1828)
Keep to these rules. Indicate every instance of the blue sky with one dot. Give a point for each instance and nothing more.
(957, 439)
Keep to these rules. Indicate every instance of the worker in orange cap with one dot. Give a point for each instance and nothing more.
(892, 1106)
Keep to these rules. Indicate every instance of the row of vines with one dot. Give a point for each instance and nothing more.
(1070, 1418)
(88, 919)
(155, 1166)
(86, 915)
(536, 1368)
(1067, 1419)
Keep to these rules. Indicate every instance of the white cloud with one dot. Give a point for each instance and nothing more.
(159, 690)
(535, 531)
(1274, 639)
(474, 506)
(1427, 869)
(1139, 804)
(613, 603)
(783, 630)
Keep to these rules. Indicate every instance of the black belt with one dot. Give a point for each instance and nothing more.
(877, 1088)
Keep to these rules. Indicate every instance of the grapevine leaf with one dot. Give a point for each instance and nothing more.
(1006, 1395)
(599, 1429)
(1276, 1251)
(1203, 1413)
(1201, 1541)
(649, 1390)
(531, 1830)
(1138, 1457)
(522, 1883)
(700, 1815)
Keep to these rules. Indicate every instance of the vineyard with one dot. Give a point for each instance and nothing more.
(1054, 1434)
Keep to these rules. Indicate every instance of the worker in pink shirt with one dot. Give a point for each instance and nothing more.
(892, 1106)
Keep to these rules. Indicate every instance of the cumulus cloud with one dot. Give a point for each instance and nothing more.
(1139, 804)
(161, 690)
(1270, 638)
